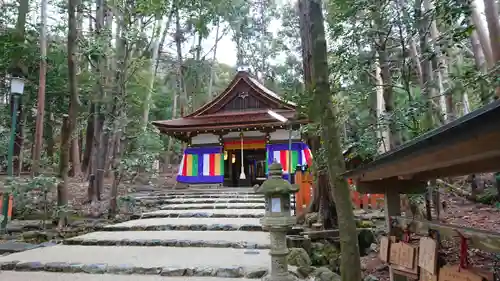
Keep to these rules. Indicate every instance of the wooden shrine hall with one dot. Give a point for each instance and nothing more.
(232, 139)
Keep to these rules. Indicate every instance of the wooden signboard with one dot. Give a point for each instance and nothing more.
(405, 258)
(394, 253)
(427, 258)
(384, 249)
(451, 273)
(407, 255)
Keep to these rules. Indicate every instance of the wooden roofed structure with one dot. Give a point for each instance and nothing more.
(243, 105)
(232, 139)
(470, 144)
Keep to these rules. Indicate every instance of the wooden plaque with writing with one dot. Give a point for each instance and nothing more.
(394, 253)
(384, 249)
(407, 255)
(451, 273)
(427, 257)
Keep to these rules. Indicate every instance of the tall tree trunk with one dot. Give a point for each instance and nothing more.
(62, 186)
(426, 65)
(214, 61)
(493, 20)
(100, 142)
(49, 136)
(480, 62)
(324, 112)
(164, 36)
(322, 198)
(40, 112)
(482, 32)
(179, 38)
(76, 166)
(382, 131)
(154, 59)
(118, 122)
(73, 87)
(440, 68)
(89, 137)
(416, 61)
(89, 131)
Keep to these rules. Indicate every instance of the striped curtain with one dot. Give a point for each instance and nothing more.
(213, 164)
(202, 165)
(301, 155)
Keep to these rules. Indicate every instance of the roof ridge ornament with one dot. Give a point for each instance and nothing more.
(243, 68)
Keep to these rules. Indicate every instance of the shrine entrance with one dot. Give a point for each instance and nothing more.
(254, 167)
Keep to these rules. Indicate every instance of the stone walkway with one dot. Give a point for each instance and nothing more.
(197, 235)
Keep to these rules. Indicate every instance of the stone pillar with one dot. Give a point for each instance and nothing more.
(278, 252)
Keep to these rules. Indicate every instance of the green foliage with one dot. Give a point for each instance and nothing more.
(147, 149)
(30, 195)
(488, 196)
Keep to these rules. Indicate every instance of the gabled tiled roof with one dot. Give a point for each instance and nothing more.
(260, 90)
(209, 118)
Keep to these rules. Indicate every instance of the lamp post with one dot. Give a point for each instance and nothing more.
(16, 90)
(286, 121)
(278, 220)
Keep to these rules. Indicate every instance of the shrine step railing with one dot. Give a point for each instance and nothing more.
(303, 197)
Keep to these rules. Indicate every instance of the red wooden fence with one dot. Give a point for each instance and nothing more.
(367, 201)
(359, 200)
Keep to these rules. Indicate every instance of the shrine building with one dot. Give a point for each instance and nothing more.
(232, 139)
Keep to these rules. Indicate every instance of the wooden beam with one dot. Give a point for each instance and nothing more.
(328, 233)
(480, 239)
(491, 164)
(437, 157)
(396, 185)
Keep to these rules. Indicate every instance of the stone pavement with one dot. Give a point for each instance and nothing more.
(43, 276)
(196, 235)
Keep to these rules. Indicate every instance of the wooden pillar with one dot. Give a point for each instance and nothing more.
(392, 208)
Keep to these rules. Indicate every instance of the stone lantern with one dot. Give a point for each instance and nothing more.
(278, 220)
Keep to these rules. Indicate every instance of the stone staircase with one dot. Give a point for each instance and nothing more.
(194, 235)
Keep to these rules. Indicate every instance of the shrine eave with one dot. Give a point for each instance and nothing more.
(465, 146)
(225, 122)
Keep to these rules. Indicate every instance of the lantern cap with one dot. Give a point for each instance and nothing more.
(275, 184)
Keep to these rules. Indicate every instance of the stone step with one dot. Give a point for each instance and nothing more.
(159, 224)
(204, 206)
(208, 213)
(200, 195)
(165, 261)
(224, 190)
(215, 239)
(201, 201)
(53, 276)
